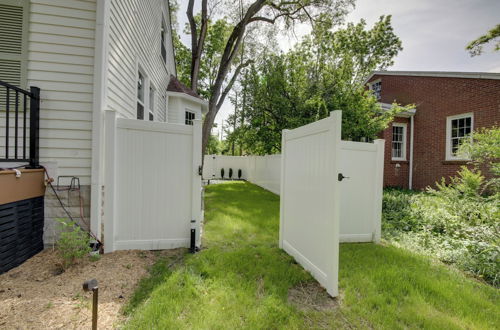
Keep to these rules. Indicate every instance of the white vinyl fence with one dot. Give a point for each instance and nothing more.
(361, 192)
(152, 185)
(263, 171)
(361, 195)
(317, 209)
(310, 198)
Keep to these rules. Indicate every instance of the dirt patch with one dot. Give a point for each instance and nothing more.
(36, 295)
(311, 296)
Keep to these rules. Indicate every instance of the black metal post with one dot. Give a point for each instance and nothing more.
(95, 298)
(192, 248)
(34, 126)
(92, 285)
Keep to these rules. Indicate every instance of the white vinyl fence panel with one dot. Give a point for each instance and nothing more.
(263, 171)
(214, 163)
(152, 185)
(361, 192)
(310, 200)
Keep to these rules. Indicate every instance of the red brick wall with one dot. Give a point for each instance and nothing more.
(435, 98)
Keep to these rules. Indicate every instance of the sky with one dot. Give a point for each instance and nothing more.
(434, 34)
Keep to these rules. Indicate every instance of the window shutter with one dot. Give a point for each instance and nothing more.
(14, 41)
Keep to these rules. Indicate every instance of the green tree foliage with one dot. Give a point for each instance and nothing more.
(324, 72)
(475, 47)
(214, 146)
(484, 151)
(217, 34)
(248, 19)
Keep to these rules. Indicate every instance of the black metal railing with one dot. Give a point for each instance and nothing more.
(14, 103)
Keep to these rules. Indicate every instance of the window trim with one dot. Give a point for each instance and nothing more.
(164, 26)
(151, 107)
(186, 111)
(403, 145)
(448, 154)
(145, 95)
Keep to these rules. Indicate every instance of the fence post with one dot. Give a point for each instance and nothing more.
(335, 138)
(282, 186)
(110, 153)
(196, 180)
(34, 126)
(378, 190)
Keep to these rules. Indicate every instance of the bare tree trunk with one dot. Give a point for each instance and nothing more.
(243, 106)
(208, 123)
(197, 41)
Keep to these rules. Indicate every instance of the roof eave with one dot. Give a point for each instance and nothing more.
(437, 74)
(203, 103)
(405, 114)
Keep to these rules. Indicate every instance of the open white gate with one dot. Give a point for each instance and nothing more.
(310, 200)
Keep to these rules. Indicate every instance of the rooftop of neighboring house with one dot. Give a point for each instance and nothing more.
(438, 74)
(176, 86)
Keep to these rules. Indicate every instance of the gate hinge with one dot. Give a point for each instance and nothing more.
(200, 170)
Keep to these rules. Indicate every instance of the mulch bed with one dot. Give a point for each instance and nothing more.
(37, 295)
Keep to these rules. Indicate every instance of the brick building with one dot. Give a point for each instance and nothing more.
(421, 144)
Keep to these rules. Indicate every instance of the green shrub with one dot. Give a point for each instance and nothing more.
(73, 243)
(453, 223)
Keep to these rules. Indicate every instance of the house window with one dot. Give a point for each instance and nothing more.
(458, 128)
(140, 95)
(163, 40)
(190, 116)
(376, 87)
(151, 103)
(398, 141)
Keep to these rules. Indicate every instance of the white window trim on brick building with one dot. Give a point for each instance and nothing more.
(403, 142)
(449, 154)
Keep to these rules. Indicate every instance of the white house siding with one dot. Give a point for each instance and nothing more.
(60, 62)
(177, 108)
(135, 40)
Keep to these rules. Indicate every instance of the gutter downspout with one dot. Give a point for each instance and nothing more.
(101, 42)
(410, 176)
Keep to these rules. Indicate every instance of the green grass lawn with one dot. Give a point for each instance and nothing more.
(241, 280)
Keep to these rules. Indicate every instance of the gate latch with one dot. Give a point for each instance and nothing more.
(342, 177)
(200, 170)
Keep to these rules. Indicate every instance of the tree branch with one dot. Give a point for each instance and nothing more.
(197, 41)
(231, 82)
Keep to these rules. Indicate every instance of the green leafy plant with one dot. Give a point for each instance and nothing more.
(484, 152)
(454, 223)
(73, 243)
